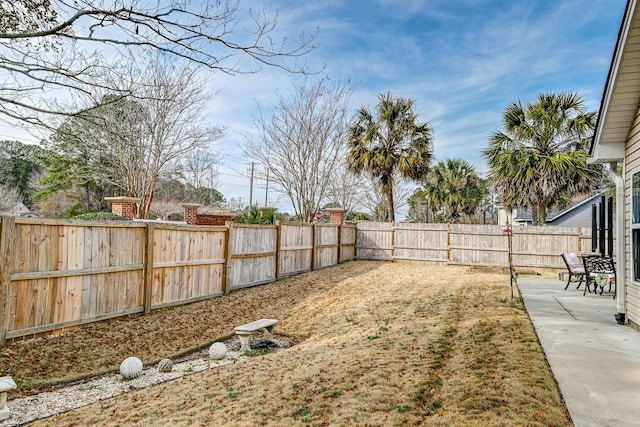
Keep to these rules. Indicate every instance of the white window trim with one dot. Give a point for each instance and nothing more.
(633, 226)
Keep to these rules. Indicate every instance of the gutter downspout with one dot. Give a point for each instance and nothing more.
(621, 276)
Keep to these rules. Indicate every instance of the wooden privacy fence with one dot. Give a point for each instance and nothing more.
(533, 248)
(56, 274)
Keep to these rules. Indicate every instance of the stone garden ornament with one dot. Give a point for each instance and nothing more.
(165, 365)
(130, 368)
(217, 351)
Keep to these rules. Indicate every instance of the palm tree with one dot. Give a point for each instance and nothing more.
(392, 141)
(540, 160)
(454, 186)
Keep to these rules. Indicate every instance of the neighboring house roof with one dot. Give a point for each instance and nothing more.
(524, 214)
(622, 92)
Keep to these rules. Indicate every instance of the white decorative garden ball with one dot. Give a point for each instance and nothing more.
(217, 351)
(130, 367)
(165, 365)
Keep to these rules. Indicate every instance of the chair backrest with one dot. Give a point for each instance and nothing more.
(571, 259)
(598, 264)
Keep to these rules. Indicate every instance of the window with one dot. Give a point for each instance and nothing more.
(635, 224)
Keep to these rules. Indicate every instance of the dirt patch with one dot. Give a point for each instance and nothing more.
(381, 344)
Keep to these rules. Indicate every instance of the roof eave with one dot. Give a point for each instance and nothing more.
(607, 153)
(596, 153)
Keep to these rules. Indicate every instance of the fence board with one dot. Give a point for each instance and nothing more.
(347, 242)
(295, 250)
(252, 255)
(421, 242)
(7, 231)
(478, 245)
(188, 264)
(63, 272)
(374, 240)
(327, 245)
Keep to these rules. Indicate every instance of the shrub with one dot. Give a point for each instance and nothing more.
(100, 216)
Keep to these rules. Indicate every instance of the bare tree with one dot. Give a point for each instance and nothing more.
(165, 209)
(9, 197)
(199, 167)
(131, 142)
(62, 49)
(346, 189)
(303, 140)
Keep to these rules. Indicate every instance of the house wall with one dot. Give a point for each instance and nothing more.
(504, 215)
(632, 165)
(581, 215)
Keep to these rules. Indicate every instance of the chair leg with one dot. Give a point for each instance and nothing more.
(568, 281)
(580, 282)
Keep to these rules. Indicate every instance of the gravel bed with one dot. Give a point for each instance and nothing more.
(30, 408)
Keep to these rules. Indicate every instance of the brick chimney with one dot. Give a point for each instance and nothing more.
(191, 212)
(336, 215)
(124, 206)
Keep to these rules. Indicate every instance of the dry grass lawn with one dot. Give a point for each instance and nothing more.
(382, 344)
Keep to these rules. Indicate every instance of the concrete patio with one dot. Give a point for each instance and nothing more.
(595, 361)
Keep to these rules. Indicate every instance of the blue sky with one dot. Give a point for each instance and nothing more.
(462, 61)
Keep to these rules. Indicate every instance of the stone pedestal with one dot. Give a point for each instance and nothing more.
(6, 385)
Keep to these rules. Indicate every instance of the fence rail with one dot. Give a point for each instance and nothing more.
(56, 273)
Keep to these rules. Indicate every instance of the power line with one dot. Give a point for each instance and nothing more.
(227, 156)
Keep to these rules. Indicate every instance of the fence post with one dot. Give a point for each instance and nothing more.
(278, 237)
(314, 250)
(339, 243)
(393, 240)
(448, 242)
(6, 239)
(228, 257)
(148, 267)
(579, 238)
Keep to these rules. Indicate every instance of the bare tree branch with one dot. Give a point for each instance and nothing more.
(60, 49)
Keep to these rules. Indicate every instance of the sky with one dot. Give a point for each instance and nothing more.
(462, 61)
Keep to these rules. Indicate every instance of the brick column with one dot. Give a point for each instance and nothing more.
(191, 212)
(336, 215)
(124, 206)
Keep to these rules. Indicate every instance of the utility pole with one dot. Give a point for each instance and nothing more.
(266, 191)
(210, 185)
(251, 187)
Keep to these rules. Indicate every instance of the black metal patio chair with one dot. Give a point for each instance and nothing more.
(575, 267)
(599, 269)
